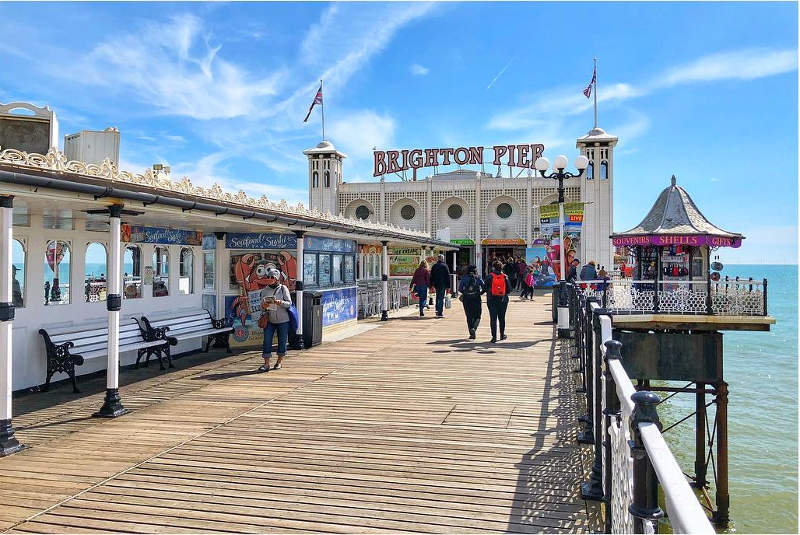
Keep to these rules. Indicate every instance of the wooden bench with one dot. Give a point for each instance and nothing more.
(189, 324)
(72, 346)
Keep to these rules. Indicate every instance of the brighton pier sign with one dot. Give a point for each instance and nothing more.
(394, 161)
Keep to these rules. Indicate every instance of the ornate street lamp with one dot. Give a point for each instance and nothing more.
(558, 173)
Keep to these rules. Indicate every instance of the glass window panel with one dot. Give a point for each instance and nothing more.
(56, 273)
(132, 272)
(208, 271)
(336, 270)
(17, 274)
(349, 268)
(309, 269)
(95, 272)
(186, 272)
(324, 270)
(160, 272)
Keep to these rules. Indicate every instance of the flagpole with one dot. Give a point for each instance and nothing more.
(322, 105)
(595, 93)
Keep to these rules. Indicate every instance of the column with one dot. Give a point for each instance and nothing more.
(529, 222)
(385, 279)
(220, 272)
(112, 406)
(455, 277)
(478, 238)
(298, 286)
(8, 442)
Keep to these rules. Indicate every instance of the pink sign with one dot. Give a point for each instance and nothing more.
(678, 239)
(393, 161)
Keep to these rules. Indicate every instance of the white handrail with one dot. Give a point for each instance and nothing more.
(685, 513)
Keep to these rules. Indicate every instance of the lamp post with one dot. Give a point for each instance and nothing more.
(558, 173)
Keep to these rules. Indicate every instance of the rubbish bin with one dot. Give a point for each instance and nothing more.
(312, 318)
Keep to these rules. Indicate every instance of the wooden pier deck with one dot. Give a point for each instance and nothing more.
(408, 427)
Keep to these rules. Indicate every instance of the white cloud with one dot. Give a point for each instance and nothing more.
(552, 106)
(419, 70)
(171, 66)
(356, 133)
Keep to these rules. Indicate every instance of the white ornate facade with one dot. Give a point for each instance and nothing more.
(474, 205)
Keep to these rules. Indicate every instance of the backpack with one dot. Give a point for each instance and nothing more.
(471, 288)
(498, 285)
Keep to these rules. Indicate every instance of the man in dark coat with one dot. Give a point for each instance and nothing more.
(440, 280)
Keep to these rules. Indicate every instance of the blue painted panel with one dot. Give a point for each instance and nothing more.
(338, 306)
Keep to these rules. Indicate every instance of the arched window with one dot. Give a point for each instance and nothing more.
(95, 273)
(56, 273)
(604, 171)
(186, 272)
(17, 274)
(160, 272)
(132, 272)
(590, 171)
(327, 179)
(315, 180)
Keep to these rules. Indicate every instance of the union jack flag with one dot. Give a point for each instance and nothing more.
(317, 100)
(588, 90)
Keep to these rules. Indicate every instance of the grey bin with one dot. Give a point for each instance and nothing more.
(312, 318)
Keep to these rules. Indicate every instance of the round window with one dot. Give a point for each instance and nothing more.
(362, 212)
(455, 211)
(504, 210)
(407, 212)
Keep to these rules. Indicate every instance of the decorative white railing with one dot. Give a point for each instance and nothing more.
(631, 457)
(733, 297)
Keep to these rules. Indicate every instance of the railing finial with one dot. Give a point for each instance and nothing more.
(613, 349)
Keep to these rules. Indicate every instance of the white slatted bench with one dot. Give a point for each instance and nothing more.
(68, 347)
(183, 325)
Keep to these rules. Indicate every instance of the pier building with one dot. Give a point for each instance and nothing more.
(481, 213)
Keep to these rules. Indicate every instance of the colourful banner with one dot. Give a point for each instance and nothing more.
(335, 245)
(548, 218)
(338, 306)
(167, 236)
(259, 240)
(678, 239)
(503, 241)
(370, 249)
(463, 241)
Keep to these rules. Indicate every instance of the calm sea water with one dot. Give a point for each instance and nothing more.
(761, 371)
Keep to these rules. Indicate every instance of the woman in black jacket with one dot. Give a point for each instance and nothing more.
(471, 288)
(497, 287)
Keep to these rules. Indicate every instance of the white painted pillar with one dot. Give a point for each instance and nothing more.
(112, 406)
(454, 286)
(8, 443)
(221, 268)
(563, 311)
(478, 238)
(298, 285)
(385, 279)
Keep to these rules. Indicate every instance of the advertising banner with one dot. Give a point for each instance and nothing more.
(209, 243)
(338, 306)
(166, 236)
(335, 245)
(548, 218)
(403, 262)
(370, 249)
(463, 241)
(678, 239)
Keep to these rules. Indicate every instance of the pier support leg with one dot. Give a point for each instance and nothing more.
(700, 438)
(385, 280)
(722, 514)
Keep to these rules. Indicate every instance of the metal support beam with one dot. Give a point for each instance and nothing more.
(385, 279)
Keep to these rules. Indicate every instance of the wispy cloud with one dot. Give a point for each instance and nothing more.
(419, 70)
(357, 132)
(499, 74)
(739, 64)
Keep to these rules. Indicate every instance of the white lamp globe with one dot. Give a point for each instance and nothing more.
(561, 162)
(542, 164)
(581, 162)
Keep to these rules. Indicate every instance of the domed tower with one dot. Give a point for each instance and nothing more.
(597, 194)
(324, 176)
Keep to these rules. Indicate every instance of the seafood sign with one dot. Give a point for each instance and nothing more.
(167, 236)
(249, 276)
(258, 240)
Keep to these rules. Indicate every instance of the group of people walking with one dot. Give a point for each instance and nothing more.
(497, 287)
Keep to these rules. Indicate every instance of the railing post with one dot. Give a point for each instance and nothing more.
(613, 352)
(587, 435)
(645, 484)
(765, 297)
(721, 516)
(709, 308)
(593, 489)
(563, 310)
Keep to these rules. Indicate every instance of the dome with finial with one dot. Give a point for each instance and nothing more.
(324, 147)
(675, 215)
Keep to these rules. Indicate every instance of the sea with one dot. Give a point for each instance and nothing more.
(761, 371)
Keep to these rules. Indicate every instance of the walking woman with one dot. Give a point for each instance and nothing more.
(419, 284)
(497, 287)
(471, 288)
(275, 302)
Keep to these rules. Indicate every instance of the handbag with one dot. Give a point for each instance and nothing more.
(263, 320)
(447, 301)
(293, 319)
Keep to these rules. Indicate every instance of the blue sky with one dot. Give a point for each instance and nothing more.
(707, 91)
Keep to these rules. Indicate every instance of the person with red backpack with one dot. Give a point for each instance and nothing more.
(497, 287)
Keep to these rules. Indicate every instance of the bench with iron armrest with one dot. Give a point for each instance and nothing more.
(71, 346)
(185, 325)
